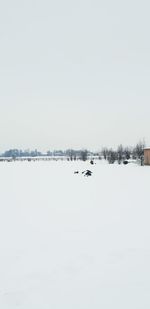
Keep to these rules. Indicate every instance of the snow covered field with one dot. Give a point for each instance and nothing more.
(74, 242)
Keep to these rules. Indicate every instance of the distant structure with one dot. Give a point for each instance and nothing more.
(147, 156)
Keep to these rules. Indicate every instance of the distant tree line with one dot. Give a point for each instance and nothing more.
(15, 153)
(111, 155)
(69, 153)
(124, 153)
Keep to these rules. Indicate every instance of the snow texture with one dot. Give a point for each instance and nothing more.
(74, 242)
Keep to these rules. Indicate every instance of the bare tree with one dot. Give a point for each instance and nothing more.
(105, 152)
(112, 156)
(120, 154)
(127, 153)
(139, 151)
(83, 155)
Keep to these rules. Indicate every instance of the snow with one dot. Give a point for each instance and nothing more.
(68, 241)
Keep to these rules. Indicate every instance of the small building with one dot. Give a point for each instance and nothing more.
(147, 156)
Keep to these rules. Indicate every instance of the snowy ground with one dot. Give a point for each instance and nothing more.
(71, 242)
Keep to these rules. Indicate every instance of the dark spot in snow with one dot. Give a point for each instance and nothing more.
(125, 162)
(87, 173)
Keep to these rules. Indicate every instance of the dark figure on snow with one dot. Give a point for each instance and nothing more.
(87, 173)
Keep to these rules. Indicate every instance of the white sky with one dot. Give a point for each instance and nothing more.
(74, 73)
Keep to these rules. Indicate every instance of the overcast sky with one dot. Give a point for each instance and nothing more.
(74, 73)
